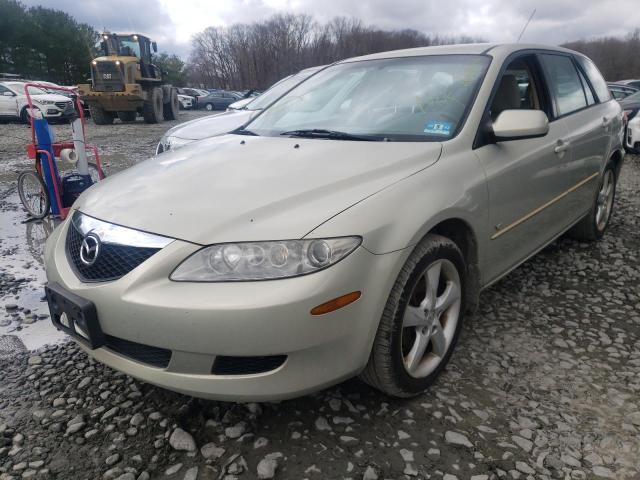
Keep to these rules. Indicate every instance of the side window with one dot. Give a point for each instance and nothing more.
(595, 77)
(587, 89)
(3, 89)
(564, 83)
(517, 88)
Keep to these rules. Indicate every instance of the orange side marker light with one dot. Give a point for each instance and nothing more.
(336, 303)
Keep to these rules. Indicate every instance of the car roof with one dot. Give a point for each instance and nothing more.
(493, 49)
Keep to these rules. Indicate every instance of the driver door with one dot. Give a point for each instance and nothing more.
(524, 176)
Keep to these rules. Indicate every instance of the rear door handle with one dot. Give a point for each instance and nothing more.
(606, 122)
(561, 147)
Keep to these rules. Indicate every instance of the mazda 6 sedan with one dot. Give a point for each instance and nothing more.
(345, 230)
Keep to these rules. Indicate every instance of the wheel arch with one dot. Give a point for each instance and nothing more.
(462, 234)
(616, 160)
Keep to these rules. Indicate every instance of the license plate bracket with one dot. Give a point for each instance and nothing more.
(79, 313)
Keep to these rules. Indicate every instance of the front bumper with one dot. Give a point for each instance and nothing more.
(632, 135)
(199, 321)
(132, 97)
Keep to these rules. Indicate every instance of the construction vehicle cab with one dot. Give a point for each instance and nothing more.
(125, 82)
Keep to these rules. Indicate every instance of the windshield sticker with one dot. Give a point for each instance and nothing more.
(439, 128)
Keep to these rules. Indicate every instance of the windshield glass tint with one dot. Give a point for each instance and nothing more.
(129, 47)
(19, 89)
(277, 90)
(403, 99)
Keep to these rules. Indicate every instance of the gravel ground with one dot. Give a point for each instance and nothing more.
(544, 383)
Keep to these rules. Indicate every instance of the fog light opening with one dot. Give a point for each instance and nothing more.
(336, 303)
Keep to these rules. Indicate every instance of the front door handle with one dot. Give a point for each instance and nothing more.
(561, 147)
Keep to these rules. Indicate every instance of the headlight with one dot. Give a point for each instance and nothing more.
(43, 102)
(168, 143)
(233, 262)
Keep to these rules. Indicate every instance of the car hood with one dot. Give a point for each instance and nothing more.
(52, 97)
(211, 125)
(239, 188)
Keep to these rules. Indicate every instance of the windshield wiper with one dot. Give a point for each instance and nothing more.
(331, 134)
(243, 131)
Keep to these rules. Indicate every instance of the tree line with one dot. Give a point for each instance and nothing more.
(617, 58)
(257, 55)
(44, 44)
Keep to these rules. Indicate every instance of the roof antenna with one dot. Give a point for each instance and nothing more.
(526, 25)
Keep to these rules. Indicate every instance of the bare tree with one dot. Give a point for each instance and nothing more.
(259, 54)
(617, 58)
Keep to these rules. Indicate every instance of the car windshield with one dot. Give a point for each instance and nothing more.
(19, 89)
(277, 90)
(422, 98)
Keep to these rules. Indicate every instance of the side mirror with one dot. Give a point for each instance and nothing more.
(8, 94)
(154, 45)
(520, 124)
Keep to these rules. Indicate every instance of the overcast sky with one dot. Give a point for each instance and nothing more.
(172, 22)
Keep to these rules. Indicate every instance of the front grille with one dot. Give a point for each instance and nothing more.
(113, 261)
(63, 105)
(224, 365)
(107, 77)
(154, 356)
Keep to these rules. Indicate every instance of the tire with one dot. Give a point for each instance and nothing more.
(171, 109)
(100, 116)
(33, 194)
(24, 115)
(389, 366)
(152, 107)
(210, 107)
(127, 117)
(595, 223)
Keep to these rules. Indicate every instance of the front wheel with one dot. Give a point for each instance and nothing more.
(421, 321)
(99, 115)
(33, 194)
(593, 226)
(210, 107)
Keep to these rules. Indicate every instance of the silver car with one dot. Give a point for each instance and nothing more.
(346, 230)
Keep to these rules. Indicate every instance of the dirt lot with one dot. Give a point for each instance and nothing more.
(544, 384)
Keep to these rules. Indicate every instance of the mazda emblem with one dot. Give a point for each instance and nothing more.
(90, 249)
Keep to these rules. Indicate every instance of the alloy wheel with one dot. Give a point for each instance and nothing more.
(431, 318)
(604, 202)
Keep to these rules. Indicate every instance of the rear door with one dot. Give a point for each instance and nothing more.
(590, 121)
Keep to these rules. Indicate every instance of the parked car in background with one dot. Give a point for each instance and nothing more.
(186, 102)
(195, 93)
(14, 103)
(240, 104)
(218, 100)
(634, 82)
(631, 107)
(222, 123)
(346, 230)
(620, 90)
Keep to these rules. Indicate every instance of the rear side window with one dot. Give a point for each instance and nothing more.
(564, 83)
(595, 77)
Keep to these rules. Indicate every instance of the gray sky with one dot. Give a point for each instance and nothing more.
(172, 22)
